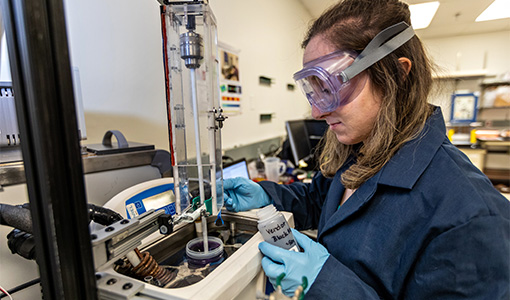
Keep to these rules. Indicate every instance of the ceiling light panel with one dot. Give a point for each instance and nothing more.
(499, 9)
(423, 13)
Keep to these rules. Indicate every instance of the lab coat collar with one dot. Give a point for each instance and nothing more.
(334, 196)
(409, 163)
(403, 170)
(332, 214)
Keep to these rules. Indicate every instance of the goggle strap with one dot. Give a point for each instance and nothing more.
(378, 48)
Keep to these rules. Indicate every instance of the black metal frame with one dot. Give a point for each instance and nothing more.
(41, 72)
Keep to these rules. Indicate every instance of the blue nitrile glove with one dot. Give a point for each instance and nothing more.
(295, 265)
(243, 194)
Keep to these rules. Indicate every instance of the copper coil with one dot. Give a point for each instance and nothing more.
(148, 267)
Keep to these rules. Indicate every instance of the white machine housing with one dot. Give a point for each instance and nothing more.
(239, 277)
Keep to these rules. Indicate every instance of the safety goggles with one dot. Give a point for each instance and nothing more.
(331, 79)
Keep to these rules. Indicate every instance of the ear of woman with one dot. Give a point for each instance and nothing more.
(406, 64)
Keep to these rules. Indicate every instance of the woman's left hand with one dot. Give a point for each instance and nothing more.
(295, 265)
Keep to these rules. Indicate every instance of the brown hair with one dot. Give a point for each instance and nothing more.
(351, 25)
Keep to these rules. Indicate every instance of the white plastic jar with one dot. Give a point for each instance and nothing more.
(275, 229)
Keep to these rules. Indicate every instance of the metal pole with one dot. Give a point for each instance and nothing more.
(41, 73)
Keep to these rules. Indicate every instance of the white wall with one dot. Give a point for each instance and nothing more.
(467, 53)
(472, 52)
(117, 47)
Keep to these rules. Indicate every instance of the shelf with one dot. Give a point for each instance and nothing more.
(494, 143)
(495, 83)
(495, 174)
(12, 173)
(495, 107)
(470, 74)
(466, 124)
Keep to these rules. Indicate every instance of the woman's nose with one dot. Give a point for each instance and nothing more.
(317, 114)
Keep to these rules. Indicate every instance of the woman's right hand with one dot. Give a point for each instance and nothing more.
(242, 194)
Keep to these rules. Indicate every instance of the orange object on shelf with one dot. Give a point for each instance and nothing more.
(488, 135)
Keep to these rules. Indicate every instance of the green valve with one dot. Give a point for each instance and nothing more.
(279, 279)
(208, 205)
(304, 284)
(195, 203)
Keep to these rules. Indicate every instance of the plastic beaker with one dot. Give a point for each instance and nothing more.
(274, 168)
(197, 257)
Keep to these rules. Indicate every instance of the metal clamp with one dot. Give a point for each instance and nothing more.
(115, 241)
(220, 118)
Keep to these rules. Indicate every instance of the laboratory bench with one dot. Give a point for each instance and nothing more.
(492, 157)
(497, 160)
(105, 175)
(12, 169)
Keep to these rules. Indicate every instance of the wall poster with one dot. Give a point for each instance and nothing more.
(230, 80)
(464, 108)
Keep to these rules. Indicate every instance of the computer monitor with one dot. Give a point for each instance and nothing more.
(238, 168)
(304, 135)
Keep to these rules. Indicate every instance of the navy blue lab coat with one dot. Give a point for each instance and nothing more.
(428, 225)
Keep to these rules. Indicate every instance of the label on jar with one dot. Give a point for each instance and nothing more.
(280, 234)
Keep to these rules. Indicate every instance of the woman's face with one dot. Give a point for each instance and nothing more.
(354, 119)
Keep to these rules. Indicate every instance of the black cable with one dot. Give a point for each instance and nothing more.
(102, 215)
(19, 217)
(20, 287)
(16, 216)
(22, 242)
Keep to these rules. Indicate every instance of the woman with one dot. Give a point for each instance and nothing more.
(401, 213)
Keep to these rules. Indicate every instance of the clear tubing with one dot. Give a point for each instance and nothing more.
(199, 153)
(177, 191)
(215, 199)
(212, 149)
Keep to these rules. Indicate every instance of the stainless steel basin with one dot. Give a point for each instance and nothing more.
(169, 252)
